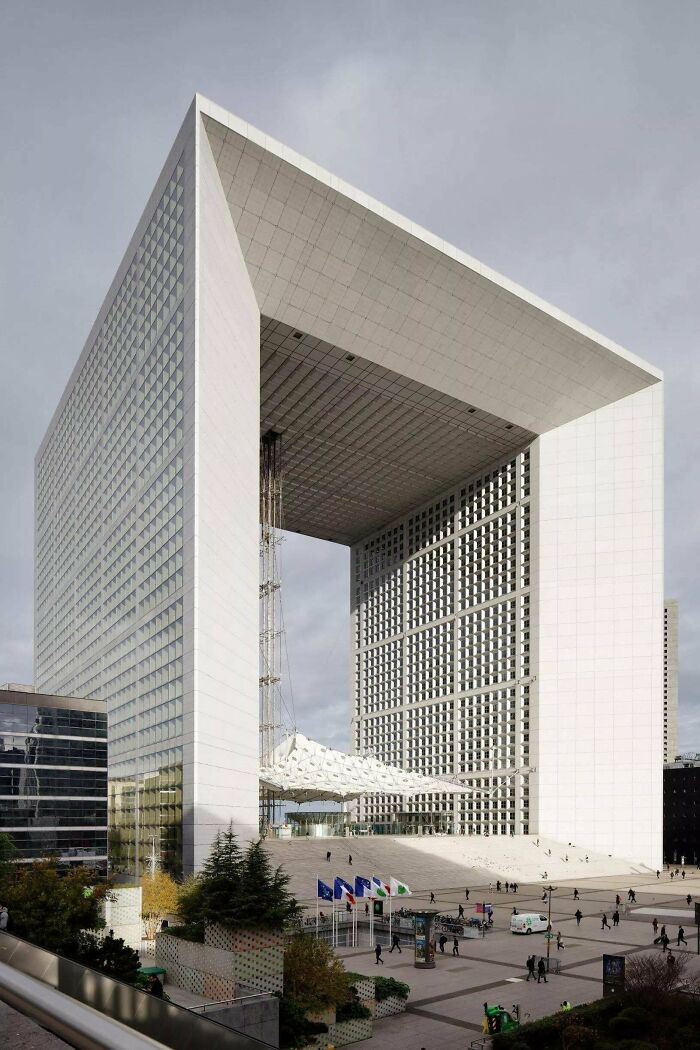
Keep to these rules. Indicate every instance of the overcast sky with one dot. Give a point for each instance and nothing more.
(557, 142)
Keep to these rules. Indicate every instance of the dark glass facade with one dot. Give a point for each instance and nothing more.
(53, 776)
(682, 813)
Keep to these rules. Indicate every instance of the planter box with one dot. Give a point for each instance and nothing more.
(229, 963)
(389, 1007)
(343, 1032)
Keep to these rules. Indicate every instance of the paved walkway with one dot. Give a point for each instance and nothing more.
(445, 1007)
(18, 1032)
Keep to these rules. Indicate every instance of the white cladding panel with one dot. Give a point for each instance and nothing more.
(598, 607)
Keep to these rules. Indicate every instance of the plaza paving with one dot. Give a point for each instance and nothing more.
(445, 1007)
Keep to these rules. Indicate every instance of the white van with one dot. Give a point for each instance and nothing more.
(528, 922)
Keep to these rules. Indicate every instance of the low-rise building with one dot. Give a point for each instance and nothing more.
(53, 776)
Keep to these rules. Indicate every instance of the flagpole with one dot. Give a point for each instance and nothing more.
(317, 882)
(390, 910)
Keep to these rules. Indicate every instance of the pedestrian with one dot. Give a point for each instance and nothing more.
(348, 906)
(544, 896)
(578, 916)
(681, 937)
(616, 918)
(515, 887)
(442, 942)
(366, 908)
(688, 899)
(655, 925)
(460, 912)
(586, 858)
(466, 894)
(378, 955)
(537, 843)
(498, 885)
(633, 898)
(4, 917)
(605, 922)
(395, 943)
(658, 874)
(155, 986)
(664, 941)
(576, 897)
(541, 972)
(328, 855)
(530, 967)
(350, 859)
(617, 900)
(432, 897)
(670, 960)
(455, 946)
(507, 886)
(683, 873)
(560, 945)
(515, 911)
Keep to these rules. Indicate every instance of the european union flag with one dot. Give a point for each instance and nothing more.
(361, 885)
(338, 886)
(323, 891)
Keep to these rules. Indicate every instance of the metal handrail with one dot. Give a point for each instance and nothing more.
(79, 1025)
(230, 1002)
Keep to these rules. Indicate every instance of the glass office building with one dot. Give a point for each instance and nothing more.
(53, 776)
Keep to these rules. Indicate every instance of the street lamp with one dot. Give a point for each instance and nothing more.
(550, 890)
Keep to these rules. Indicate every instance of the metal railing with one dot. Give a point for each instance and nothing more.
(59, 990)
(238, 1001)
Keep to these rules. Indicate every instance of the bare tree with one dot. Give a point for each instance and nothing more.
(653, 975)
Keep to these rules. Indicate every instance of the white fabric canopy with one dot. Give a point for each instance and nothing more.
(304, 771)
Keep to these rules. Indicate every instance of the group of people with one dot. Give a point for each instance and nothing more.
(663, 938)
(506, 886)
(538, 967)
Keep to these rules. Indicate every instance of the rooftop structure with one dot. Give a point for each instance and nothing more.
(496, 466)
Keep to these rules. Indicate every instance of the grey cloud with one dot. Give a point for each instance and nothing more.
(555, 142)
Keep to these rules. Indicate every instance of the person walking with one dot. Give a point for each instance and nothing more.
(378, 955)
(688, 899)
(544, 896)
(455, 946)
(560, 943)
(395, 943)
(617, 900)
(664, 939)
(460, 912)
(541, 972)
(350, 859)
(616, 918)
(328, 855)
(442, 942)
(658, 874)
(432, 897)
(530, 967)
(655, 925)
(681, 937)
(633, 898)
(498, 885)
(507, 886)
(466, 893)
(683, 873)
(576, 896)
(578, 916)
(515, 887)
(605, 922)
(4, 917)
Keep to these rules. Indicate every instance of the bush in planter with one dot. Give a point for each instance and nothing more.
(385, 987)
(295, 1028)
(352, 1009)
(314, 977)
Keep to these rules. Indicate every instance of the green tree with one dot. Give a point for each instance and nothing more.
(51, 909)
(314, 977)
(110, 955)
(221, 880)
(189, 901)
(264, 898)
